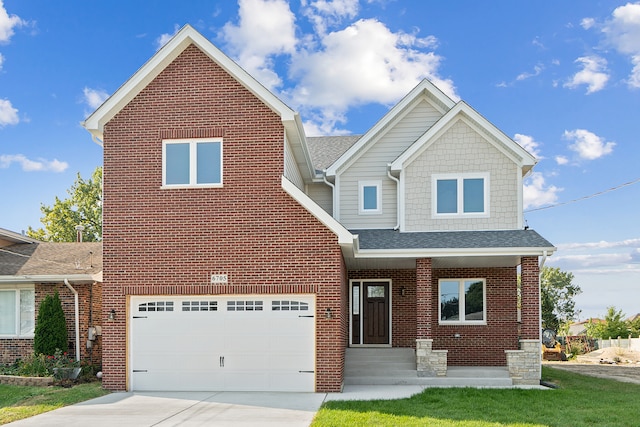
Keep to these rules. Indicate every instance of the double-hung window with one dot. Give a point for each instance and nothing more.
(17, 311)
(192, 163)
(369, 197)
(460, 194)
(462, 301)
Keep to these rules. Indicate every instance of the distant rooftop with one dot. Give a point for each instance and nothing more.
(325, 150)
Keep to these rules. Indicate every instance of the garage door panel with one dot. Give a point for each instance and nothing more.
(257, 343)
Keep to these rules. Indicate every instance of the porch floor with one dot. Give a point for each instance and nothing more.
(397, 366)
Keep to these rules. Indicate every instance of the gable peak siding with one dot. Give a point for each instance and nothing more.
(169, 241)
(460, 149)
(372, 165)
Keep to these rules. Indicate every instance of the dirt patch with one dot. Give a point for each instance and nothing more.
(611, 363)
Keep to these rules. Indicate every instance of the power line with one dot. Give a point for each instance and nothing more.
(591, 196)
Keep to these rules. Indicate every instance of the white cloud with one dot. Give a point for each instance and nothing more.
(363, 63)
(8, 114)
(537, 69)
(634, 77)
(561, 160)
(527, 142)
(94, 97)
(538, 193)
(622, 31)
(165, 37)
(588, 145)
(1, 61)
(323, 13)
(28, 165)
(627, 243)
(265, 28)
(593, 74)
(8, 23)
(587, 23)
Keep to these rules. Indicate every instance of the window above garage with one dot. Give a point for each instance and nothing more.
(192, 163)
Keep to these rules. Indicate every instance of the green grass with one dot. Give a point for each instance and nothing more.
(18, 402)
(578, 401)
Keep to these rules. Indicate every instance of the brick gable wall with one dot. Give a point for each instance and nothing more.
(169, 241)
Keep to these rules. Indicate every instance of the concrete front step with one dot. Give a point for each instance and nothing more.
(397, 366)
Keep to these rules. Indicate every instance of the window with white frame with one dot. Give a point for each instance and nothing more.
(462, 301)
(369, 197)
(17, 311)
(192, 162)
(460, 194)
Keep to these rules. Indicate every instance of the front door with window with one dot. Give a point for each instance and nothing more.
(370, 312)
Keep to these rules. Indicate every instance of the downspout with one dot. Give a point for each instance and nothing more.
(397, 181)
(333, 192)
(77, 317)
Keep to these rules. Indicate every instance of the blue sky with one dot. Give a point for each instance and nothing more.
(560, 78)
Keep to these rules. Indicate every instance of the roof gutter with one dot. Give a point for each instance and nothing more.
(333, 191)
(77, 316)
(50, 278)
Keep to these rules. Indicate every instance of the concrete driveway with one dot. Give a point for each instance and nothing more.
(185, 409)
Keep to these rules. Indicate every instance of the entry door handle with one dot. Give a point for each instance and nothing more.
(222, 361)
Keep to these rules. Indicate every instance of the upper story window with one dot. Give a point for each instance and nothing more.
(462, 301)
(192, 163)
(17, 311)
(369, 197)
(460, 194)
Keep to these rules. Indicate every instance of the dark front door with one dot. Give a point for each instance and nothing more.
(375, 313)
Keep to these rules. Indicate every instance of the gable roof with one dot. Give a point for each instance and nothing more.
(425, 88)
(50, 261)
(325, 150)
(153, 67)
(480, 124)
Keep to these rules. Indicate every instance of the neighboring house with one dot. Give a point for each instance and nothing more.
(30, 270)
(580, 328)
(242, 255)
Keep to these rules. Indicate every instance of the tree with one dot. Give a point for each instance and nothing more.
(556, 293)
(83, 207)
(51, 327)
(613, 326)
(634, 327)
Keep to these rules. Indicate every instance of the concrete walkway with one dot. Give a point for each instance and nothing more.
(237, 409)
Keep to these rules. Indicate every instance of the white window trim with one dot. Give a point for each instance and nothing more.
(361, 209)
(193, 158)
(459, 177)
(17, 289)
(462, 302)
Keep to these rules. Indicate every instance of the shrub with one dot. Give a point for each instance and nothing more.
(34, 365)
(51, 327)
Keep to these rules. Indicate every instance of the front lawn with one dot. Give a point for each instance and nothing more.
(578, 401)
(18, 402)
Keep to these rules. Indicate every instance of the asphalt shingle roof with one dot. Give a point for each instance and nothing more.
(390, 239)
(49, 258)
(325, 150)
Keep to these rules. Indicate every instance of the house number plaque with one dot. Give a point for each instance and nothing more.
(219, 278)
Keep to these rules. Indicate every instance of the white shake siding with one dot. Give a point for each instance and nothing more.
(372, 166)
(291, 171)
(461, 150)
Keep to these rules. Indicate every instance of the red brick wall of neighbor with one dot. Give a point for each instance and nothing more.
(159, 241)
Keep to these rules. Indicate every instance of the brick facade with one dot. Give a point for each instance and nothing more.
(169, 241)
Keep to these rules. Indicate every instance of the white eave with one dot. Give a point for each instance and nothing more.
(186, 36)
(494, 135)
(452, 252)
(52, 278)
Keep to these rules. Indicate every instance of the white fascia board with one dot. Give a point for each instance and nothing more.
(158, 62)
(424, 87)
(344, 236)
(297, 138)
(481, 125)
(51, 278)
(14, 237)
(452, 252)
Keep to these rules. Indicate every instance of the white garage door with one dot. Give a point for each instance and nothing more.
(237, 343)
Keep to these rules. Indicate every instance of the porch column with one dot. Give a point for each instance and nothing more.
(424, 303)
(530, 291)
(525, 364)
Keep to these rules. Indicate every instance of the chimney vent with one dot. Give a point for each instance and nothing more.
(79, 230)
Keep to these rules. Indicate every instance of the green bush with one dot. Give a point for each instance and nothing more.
(51, 327)
(34, 365)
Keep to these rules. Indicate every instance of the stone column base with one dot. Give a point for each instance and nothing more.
(429, 362)
(525, 365)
